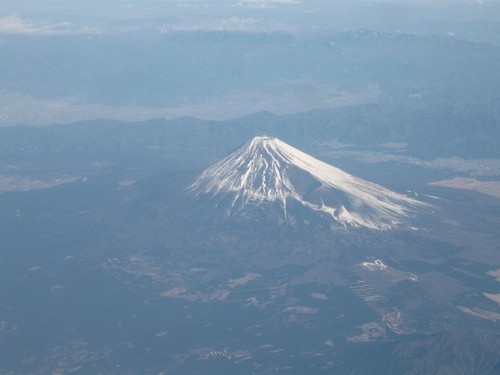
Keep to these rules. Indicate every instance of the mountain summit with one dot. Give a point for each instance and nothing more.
(267, 170)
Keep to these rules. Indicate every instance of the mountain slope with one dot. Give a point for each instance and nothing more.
(268, 170)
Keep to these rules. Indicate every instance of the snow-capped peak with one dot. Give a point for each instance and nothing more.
(266, 169)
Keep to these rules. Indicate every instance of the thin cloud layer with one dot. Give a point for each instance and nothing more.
(13, 24)
(234, 24)
(263, 4)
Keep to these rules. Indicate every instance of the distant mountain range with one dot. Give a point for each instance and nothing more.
(426, 133)
(438, 95)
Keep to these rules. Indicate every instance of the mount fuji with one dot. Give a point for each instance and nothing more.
(267, 171)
